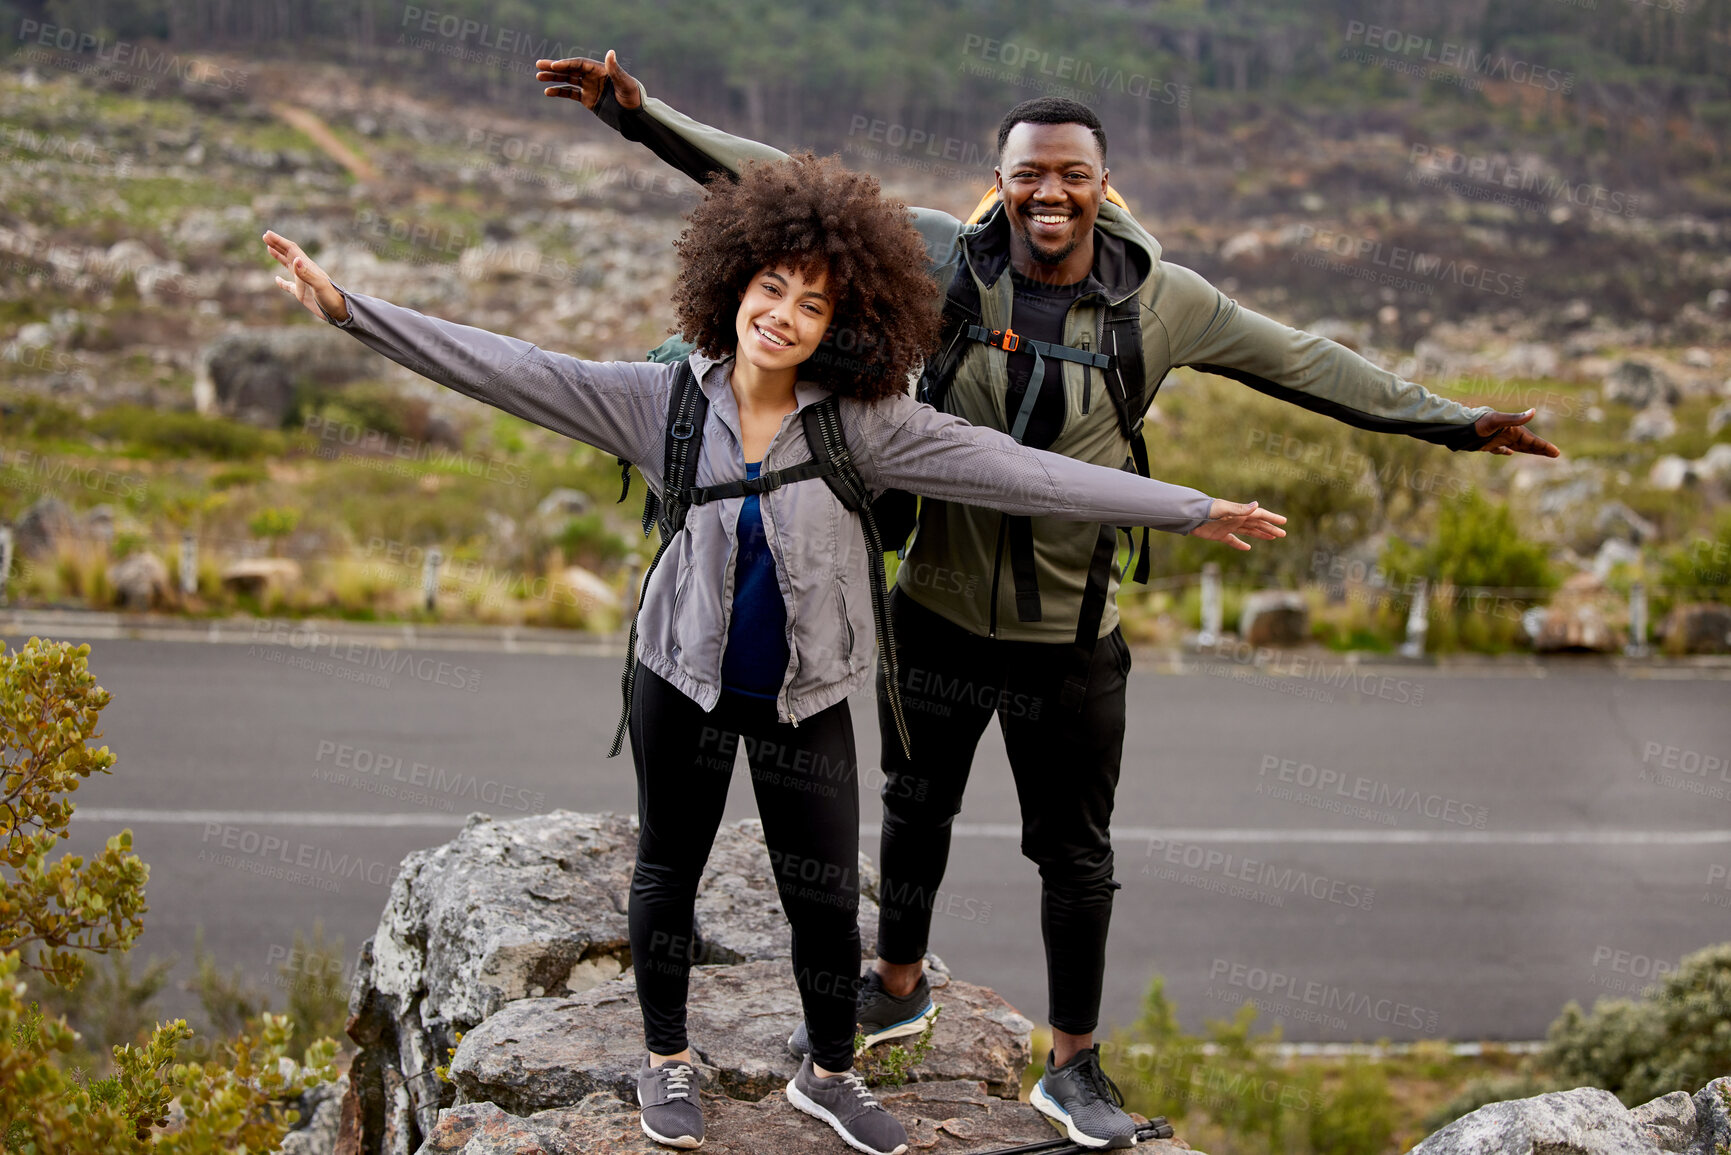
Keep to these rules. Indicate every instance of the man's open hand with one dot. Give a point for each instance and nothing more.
(1510, 437)
(580, 78)
(1228, 519)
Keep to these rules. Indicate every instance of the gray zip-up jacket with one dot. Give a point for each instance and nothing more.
(817, 542)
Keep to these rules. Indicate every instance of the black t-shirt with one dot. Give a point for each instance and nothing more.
(1038, 315)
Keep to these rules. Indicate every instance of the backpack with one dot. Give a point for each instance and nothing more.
(830, 460)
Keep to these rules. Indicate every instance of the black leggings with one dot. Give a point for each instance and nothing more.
(808, 797)
(1065, 765)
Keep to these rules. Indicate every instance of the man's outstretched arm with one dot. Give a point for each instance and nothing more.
(698, 150)
(1211, 332)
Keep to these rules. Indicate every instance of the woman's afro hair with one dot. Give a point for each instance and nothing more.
(813, 215)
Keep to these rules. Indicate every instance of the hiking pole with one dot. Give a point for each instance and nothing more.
(1155, 1128)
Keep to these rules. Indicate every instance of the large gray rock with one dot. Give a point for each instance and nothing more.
(1585, 1121)
(1699, 628)
(524, 909)
(1712, 1117)
(1275, 618)
(315, 1132)
(41, 528)
(252, 375)
(140, 580)
(945, 1118)
(537, 1054)
(1669, 1121)
(1640, 385)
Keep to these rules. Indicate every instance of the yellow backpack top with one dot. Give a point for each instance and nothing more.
(991, 198)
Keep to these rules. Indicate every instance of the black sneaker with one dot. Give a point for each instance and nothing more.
(1087, 1103)
(668, 1096)
(879, 1014)
(844, 1103)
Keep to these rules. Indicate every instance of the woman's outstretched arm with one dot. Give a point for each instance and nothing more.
(917, 448)
(619, 407)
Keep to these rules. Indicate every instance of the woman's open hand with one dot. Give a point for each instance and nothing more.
(1228, 519)
(311, 287)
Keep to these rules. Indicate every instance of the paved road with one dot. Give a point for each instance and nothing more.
(1428, 853)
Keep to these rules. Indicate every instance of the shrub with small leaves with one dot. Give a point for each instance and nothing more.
(49, 703)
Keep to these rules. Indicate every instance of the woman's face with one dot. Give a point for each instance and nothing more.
(782, 317)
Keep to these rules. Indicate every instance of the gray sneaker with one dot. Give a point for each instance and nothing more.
(844, 1103)
(880, 1015)
(668, 1096)
(1089, 1105)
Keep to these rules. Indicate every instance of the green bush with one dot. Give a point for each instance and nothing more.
(1677, 1037)
(65, 909)
(178, 434)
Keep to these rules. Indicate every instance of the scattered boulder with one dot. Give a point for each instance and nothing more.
(1697, 358)
(562, 503)
(1585, 1121)
(535, 909)
(535, 1054)
(252, 576)
(1669, 474)
(39, 531)
(1718, 419)
(1275, 618)
(321, 1108)
(1639, 384)
(1578, 620)
(1699, 628)
(1615, 519)
(1654, 423)
(590, 590)
(251, 375)
(944, 1118)
(1614, 551)
(1715, 464)
(1588, 1121)
(140, 580)
(1245, 246)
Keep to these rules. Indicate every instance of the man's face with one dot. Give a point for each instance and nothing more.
(1052, 179)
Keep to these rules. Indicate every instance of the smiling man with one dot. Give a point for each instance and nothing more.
(1060, 321)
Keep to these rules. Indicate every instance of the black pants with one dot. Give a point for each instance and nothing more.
(1066, 769)
(805, 779)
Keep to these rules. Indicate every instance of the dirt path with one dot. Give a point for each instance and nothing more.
(320, 134)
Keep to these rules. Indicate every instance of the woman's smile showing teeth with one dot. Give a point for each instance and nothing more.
(771, 339)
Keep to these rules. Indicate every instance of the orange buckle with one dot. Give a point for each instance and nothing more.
(1010, 340)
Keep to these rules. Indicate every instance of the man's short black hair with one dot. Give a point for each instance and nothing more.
(1051, 110)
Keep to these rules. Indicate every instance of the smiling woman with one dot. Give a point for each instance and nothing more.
(803, 290)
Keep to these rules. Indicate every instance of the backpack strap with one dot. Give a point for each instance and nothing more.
(823, 434)
(686, 412)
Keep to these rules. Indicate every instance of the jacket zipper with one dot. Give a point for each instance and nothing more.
(997, 571)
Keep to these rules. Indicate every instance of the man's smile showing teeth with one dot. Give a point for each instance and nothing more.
(1050, 218)
(771, 337)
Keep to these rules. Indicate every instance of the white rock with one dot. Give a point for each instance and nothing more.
(1669, 473)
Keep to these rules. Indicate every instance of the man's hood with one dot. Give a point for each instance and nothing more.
(1125, 253)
